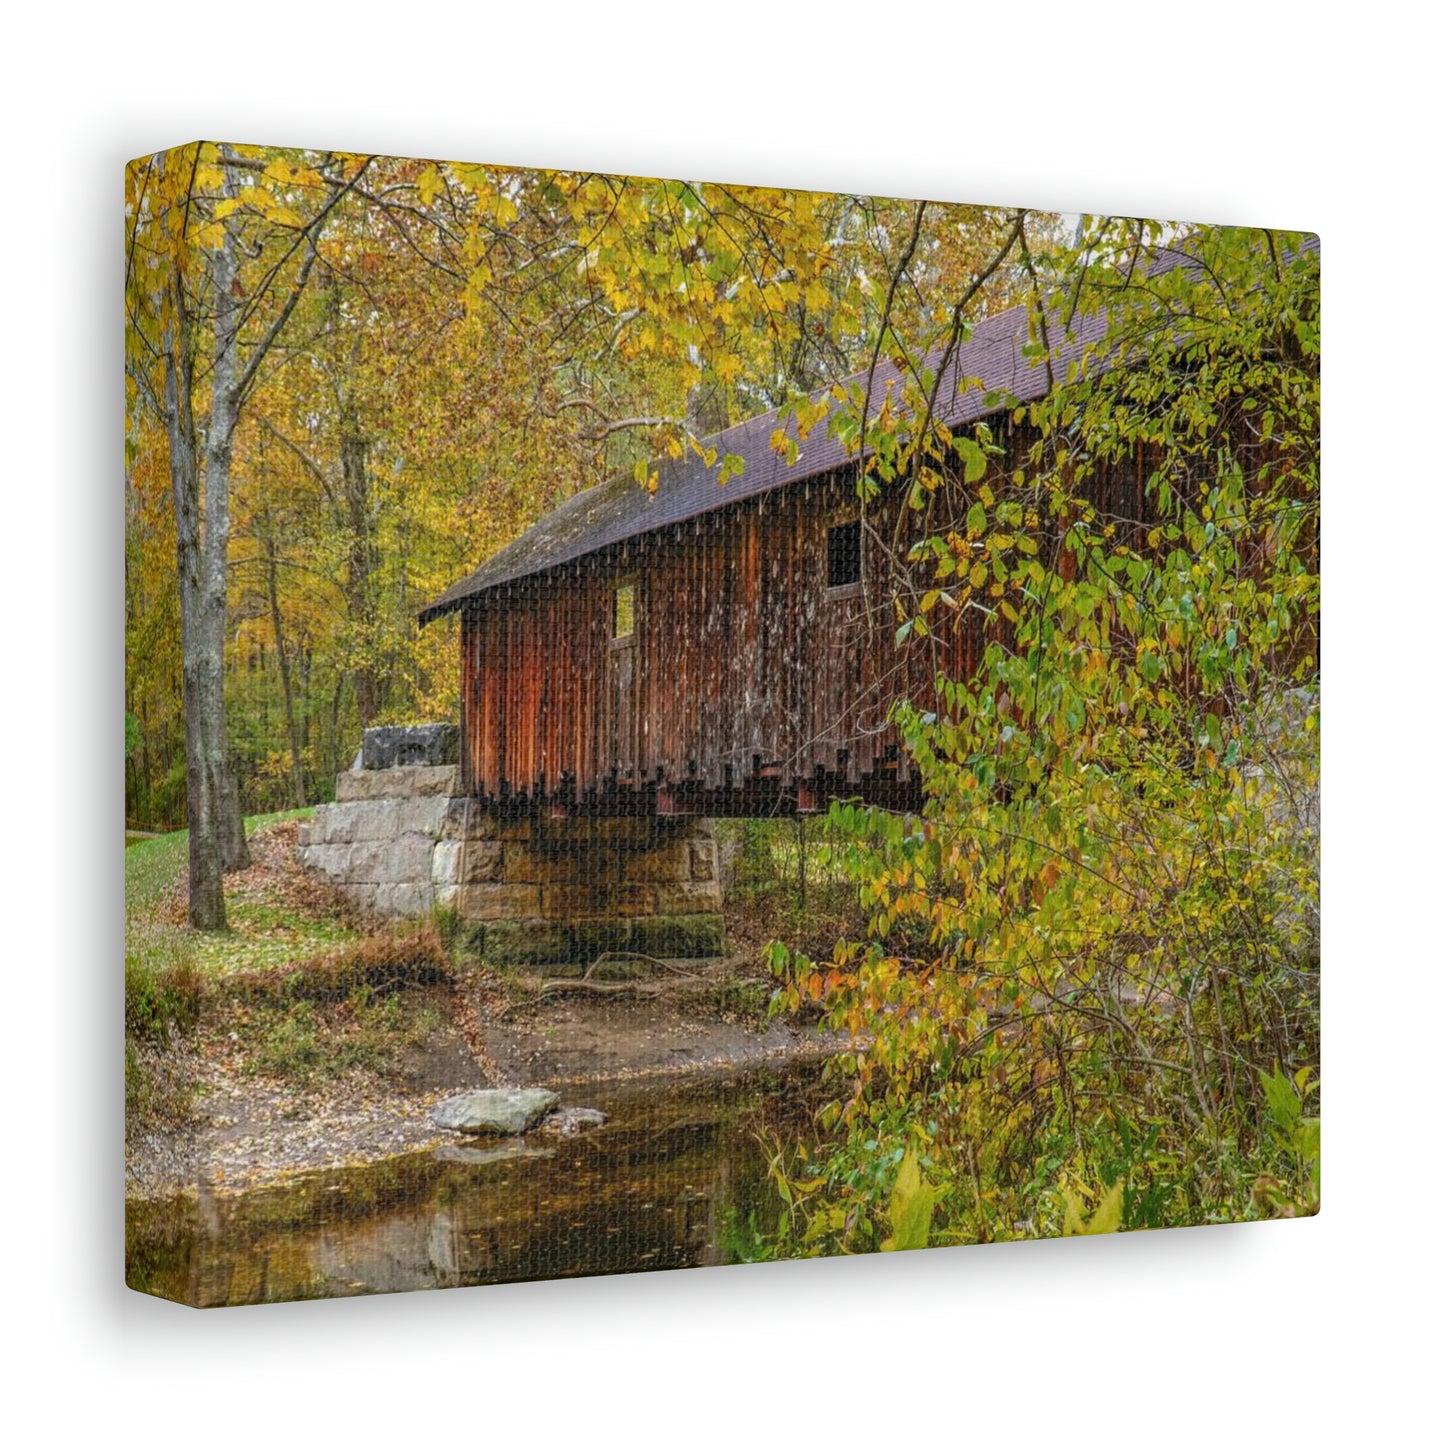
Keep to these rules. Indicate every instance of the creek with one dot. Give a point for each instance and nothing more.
(677, 1178)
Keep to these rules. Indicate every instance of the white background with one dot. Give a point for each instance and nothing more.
(1247, 113)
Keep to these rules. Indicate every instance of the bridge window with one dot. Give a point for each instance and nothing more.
(624, 611)
(845, 554)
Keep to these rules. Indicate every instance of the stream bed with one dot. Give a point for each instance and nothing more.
(676, 1178)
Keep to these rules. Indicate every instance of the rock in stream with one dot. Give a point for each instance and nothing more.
(567, 1122)
(495, 1111)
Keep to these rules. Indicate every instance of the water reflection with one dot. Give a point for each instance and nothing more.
(658, 1187)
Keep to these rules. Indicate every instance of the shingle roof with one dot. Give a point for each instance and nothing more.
(991, 362)
(618, 509)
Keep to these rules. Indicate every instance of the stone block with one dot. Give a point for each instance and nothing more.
(679, 935)
(466, 819)
(390, 785)
(460, 861)
(529, 944)
(570, 830)
(516, 827)
(391, 860)
(598, 865)
(486, 901)
(421, 815)
(424, 743)
(689, 897)
(479, 862)
(664, 863)
(577, 900)
(328, 859)
(371, 820)
(349, 785)
(630, 832)
(632, 899)
(363, 895)
(403, 900)
(366, 862)
(426, 782)
(327, 822)
(596, 936)
(359, 786)
(702, 859)
(335, 822)
(408, 859)
(303, 835)
(525, 863)
(446, 862)
(335, 861)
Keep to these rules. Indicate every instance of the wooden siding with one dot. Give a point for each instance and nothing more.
(747, 686)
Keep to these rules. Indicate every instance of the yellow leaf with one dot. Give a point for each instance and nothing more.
(910, 1209)
(1106, 1219)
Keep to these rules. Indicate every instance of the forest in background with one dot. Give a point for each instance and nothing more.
(435, 355)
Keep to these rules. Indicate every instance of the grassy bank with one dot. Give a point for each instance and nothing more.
(300, 988)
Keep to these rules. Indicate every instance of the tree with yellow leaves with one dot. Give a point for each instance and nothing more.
(220, 245)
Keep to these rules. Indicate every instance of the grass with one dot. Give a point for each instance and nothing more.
(276, 942)
(267, 929)
(305, 1041)
(162, 990)
(408, 956)
(154, 865)
(309, 991)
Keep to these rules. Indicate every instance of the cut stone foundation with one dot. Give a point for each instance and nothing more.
(527, 889)
(539, 890)
(376, 841)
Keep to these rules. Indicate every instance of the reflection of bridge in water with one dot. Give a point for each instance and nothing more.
(656, 1188)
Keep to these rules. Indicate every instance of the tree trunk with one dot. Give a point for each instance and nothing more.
(298, 785)
(366, 677)
(207, 906)
(203, 522)
(220, 436)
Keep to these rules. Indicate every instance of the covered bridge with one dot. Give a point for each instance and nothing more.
(727, 650)
(638, 663)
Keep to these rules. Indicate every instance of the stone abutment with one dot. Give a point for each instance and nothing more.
(527, 889)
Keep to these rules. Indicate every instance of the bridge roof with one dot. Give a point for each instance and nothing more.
(987, 373)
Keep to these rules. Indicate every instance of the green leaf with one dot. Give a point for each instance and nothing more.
(1106, 1219)
(910, 1210)
(1282, 1101)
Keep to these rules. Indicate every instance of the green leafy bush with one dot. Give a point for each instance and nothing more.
(1094, 956)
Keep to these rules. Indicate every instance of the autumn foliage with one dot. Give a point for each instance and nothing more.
(1087, 994)
(1091, 979)
(442, 354)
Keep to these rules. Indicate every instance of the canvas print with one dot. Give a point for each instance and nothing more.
(674, 723)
